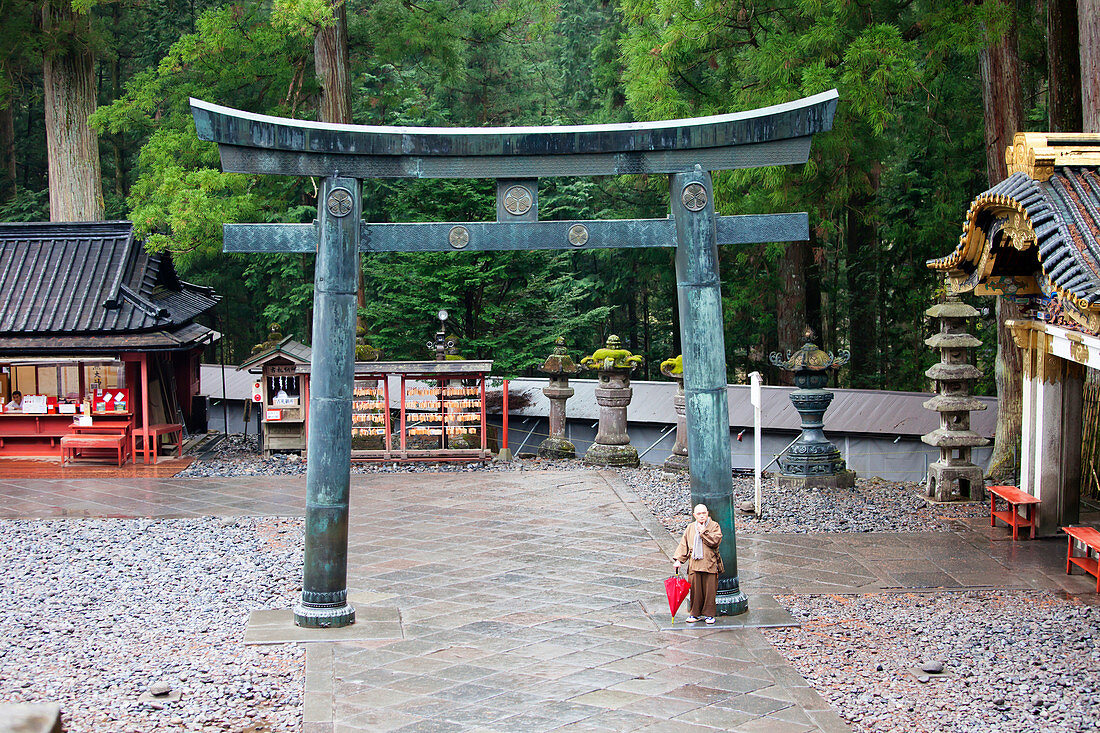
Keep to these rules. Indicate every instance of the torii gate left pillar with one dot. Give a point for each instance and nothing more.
(687, 150)
(324, 600)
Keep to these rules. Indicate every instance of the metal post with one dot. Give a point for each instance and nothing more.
(328, 473)
(699, 292)
(757, 403)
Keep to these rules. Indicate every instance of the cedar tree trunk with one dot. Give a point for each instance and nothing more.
(7, 151)
(72, 148)
(860, 247)
(1000, 74)
(790, 302)
(1063, 67)
(1088, 19)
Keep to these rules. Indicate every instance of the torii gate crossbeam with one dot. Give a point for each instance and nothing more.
(687, 150)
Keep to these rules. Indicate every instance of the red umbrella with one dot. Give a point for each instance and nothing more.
(677, 589)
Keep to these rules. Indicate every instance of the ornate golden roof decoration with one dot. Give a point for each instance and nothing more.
(1038, 153)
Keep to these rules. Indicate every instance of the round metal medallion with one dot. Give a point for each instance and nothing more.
(517, 200)
(694, 197)
(578, 235)
(458, 237)
(340, 202)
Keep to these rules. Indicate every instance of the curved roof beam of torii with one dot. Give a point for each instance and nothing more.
(253, 143)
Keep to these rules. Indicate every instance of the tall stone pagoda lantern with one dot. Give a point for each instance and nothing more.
(559, 365)
(614, 364)
(812, 461)
(678, 459)
(953, 476)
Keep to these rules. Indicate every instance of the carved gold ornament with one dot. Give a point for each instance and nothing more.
(1038, 153)
(1018, 230)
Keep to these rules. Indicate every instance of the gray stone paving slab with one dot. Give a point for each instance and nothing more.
(552, 576)
(276, 626)
(30, 718)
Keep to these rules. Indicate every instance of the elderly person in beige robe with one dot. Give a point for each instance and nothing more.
(699, 549)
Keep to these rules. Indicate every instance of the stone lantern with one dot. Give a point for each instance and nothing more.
(678, 459)
(614, 365)
(953, 476)
(812, 461)
(559, 365)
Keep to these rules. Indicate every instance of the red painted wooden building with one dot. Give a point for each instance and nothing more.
(89, 319)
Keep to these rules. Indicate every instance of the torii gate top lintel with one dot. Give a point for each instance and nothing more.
(255, 143)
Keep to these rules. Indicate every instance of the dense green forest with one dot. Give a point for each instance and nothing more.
(885, 190)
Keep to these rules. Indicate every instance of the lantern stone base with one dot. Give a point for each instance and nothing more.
(557, 448)
(955, 483)
(677, 463)
(612, 455)
(840, 480)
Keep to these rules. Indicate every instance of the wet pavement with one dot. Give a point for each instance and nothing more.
(531, 601)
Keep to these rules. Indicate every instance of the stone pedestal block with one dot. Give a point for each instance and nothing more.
(614, 365)
(952, 483)
(843, 479)
(678, 460)
(559, 365)
(557, 445)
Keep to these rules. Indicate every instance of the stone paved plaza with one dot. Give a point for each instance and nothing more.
(533, 600)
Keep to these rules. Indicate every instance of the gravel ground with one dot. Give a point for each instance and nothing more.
(1013, 661)
(873, 505)
(97, 610)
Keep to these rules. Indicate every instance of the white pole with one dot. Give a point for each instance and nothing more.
(755, 398)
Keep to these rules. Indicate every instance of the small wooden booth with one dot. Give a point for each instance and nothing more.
(440, 410)
(1035, 238)
(92, 323)
(283, 394)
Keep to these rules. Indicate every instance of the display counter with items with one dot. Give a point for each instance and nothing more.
(42, 401)
(419, 410)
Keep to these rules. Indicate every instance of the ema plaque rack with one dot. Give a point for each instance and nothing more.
(440, 416)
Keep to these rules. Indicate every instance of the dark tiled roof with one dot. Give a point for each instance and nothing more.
(191, 334)
(1069, 252)
(289, 348)
(1064, 213)
(92, 280)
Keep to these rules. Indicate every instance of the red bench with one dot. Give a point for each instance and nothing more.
(72, 445)
(1090, 540)
(1015, 499)
(150, 437)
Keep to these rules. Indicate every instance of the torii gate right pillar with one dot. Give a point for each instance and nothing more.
(699, 292)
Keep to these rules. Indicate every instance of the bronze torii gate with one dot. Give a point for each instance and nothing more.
(516, 157)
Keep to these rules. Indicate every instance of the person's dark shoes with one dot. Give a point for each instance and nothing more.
(692, 619)
(710, 619)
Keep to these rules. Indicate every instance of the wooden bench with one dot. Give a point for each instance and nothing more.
(1090, 540)
(1015, 499)
(150, 437)
(71, 445)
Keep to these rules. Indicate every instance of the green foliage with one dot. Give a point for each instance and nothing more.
(26, 206)
(885, 190)
(882, 188)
